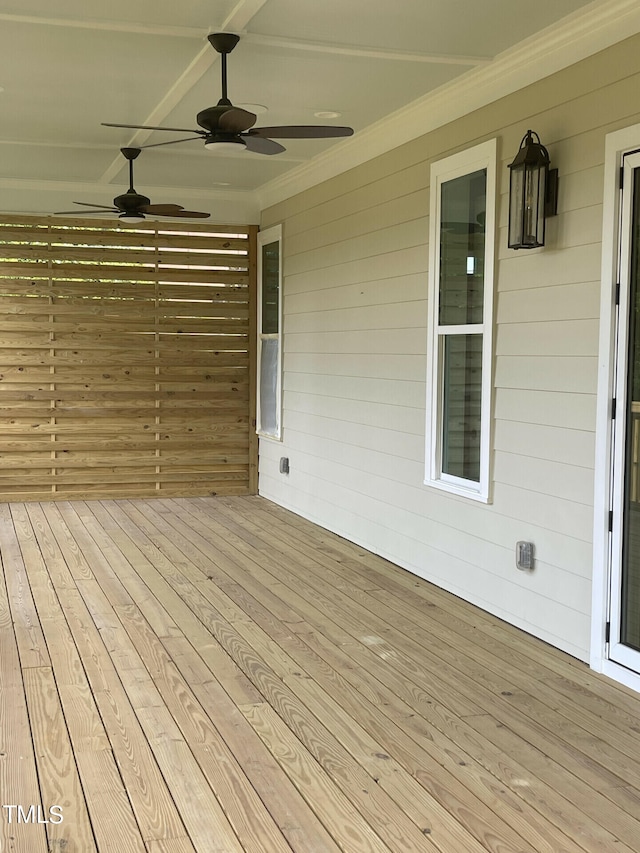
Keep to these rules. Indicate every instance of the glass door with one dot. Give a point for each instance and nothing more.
(624, 645)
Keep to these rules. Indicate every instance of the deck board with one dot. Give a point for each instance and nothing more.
(218, 674)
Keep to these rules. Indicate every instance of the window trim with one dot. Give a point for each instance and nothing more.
(483, 156)
(269, 235)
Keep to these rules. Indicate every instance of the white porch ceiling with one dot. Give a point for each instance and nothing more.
(67, 66)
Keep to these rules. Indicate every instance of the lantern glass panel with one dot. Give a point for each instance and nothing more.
(533, 220)
(516, 206)
(527, 207)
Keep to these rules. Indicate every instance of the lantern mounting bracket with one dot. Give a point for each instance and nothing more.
(551, 200)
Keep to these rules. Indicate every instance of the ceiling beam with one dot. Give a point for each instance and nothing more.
(248, 8)
(172, 97)
(108, 26)
(236, 22)
(241, 14)
(366, 52)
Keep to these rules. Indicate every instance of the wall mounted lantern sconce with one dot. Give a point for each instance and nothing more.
(533, 193)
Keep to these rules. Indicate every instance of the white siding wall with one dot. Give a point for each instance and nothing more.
(355, 284)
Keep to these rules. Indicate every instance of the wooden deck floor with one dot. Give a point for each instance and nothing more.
(220, 675)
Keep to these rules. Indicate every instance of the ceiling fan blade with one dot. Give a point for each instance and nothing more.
(172, 141)
(262, 145)
(90, 204)
(151, 127)
(235, 120)
(172, 210)
(162, 209)
(187, 214)
(302, 131)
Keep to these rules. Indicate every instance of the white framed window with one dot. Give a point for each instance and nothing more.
(269, 367)
(459, 345)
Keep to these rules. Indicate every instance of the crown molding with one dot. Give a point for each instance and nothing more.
(576, 37)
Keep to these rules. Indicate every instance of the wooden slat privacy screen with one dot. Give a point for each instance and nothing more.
(126, 359)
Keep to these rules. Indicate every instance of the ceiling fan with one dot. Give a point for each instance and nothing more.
(131, 207)
(230, 127)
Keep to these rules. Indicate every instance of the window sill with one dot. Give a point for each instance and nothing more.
(271, 437)
(460, 491)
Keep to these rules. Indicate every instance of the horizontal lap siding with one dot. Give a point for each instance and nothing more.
(124, 360)
(355, 286)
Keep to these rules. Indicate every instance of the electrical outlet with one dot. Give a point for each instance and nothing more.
(524, 556)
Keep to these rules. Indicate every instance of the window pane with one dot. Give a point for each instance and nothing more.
(269, 386)
(461, 414)
(630, 592)
(270, 288)
(462, 249)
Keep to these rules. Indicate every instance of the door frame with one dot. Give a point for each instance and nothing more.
(617, 144)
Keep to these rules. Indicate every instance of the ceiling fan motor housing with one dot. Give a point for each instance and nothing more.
(209, 119)
(131, 202)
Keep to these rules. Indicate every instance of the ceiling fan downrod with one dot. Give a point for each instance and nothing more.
(223, 43)
(130, 154)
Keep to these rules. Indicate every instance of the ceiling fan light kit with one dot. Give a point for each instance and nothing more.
(224, 146)
(132, 218)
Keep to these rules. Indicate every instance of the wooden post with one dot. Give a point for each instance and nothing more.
(253, 357)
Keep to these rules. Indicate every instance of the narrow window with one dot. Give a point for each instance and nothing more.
(269, 332)
(461, 249)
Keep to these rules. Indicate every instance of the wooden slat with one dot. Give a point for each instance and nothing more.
(72, 243)
(18, 775)
(114, 825)
(95, 226)
(17, 241)
(18, 376)
(116, 274)
(124, 316)
(76, 290)
(31, 644)
(59, 780)
(112, 358)
(253, 377)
